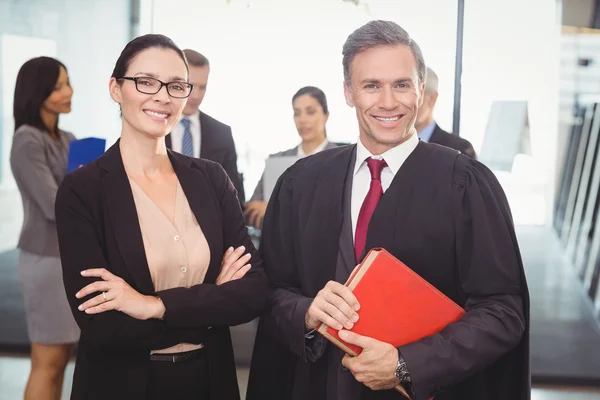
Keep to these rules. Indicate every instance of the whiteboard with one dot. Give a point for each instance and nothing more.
(506, 135)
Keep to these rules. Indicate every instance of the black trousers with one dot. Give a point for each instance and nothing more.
(179, 381)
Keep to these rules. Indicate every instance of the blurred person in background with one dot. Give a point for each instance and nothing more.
(310, 116)
(38, 160)
(428, 130)
(199, 135)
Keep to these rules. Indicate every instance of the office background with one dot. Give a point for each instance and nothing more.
(536, 58)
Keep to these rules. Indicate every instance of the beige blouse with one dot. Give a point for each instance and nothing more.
(178, 254)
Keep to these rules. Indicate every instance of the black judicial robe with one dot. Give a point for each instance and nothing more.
(447, 218)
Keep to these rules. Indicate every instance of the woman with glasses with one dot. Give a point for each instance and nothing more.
(157, 262)
(38, 160)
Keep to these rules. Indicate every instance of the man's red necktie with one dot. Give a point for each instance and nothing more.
(368, 205)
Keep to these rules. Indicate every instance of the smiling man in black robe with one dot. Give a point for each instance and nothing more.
(441, 213)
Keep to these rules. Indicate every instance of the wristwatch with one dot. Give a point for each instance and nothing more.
(404, 376)
(401, 370)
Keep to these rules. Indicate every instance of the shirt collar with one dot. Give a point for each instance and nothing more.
(427, 132)
(319, 148)
(394, 157)
(194, 118)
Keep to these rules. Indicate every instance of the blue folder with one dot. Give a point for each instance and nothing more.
(83, 151)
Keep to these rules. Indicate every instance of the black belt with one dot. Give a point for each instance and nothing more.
(177, 357)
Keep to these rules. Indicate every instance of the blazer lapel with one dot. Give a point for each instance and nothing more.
(196, 186)
(124, 219)
(435, 135)
(204, 136)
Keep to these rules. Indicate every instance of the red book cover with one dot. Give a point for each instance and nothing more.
(397, 306)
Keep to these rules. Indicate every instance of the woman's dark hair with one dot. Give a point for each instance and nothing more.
(36, 81)
(140, 44)
(314, 92)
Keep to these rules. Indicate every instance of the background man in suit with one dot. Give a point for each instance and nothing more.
(428, 130)
(440, 212)
(200, 135)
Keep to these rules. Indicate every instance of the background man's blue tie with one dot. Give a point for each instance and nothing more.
(187, 145)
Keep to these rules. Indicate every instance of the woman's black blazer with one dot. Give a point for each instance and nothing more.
(98, 227)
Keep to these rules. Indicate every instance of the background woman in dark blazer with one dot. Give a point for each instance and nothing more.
(310, 116)
(149, 228)
(38, 160)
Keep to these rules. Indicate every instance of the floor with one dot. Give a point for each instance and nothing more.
(14, 370)
(565, 335)
(564, 393)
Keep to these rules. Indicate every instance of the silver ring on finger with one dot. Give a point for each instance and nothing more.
(104, 296)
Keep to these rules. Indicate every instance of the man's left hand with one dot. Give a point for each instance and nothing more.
(375, 366)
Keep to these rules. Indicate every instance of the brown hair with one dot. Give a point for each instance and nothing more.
(380, 33)
(140, 44)
(196, 59)
(35, 83)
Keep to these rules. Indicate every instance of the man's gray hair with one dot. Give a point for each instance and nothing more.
(431, 82)
(380, 33)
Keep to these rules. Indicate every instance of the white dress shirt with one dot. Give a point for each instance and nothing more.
(321, 147)
(394, 158)
(177, 134)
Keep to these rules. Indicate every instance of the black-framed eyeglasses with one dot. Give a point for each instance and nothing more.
(147, 85)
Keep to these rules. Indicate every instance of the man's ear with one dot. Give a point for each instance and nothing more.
(421, 94)
(433, 99)
(348, 94)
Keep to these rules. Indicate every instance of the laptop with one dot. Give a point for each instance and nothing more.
(274, 168)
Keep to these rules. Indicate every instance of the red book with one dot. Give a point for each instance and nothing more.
(397, 306)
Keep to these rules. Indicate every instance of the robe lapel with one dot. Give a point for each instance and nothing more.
(346, 246)
(320, 215)
(388, 227)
